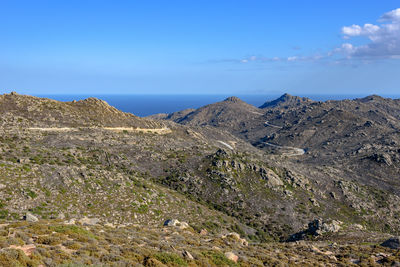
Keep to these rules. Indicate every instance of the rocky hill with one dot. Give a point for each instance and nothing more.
(86, 175)
(361, 134)
(23, 110)
(286, 101)
(221, 114)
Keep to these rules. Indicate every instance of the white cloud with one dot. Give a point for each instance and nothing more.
(392, 15)
(384, 39)
(356, 30)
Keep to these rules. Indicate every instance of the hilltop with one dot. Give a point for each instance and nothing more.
(24, 110)
(286, 101)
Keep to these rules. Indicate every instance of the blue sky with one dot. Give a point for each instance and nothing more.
(200, 47)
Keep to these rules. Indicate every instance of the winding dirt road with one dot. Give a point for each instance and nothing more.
(164, 130)
(295, 151)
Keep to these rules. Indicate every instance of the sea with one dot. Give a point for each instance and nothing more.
(145, 105)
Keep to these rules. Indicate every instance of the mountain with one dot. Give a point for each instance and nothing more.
(330, 143)
(360, 134)
(286, 101)
(100, 183)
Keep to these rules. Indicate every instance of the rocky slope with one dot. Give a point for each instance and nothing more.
(30, 111)
(220, 114)
(65, 165)
(349, 145)
(361, 134)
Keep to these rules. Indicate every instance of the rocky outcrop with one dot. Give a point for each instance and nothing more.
(317, 227)
(222, 160)
(236, 237)
(286, 100)
(393, 242)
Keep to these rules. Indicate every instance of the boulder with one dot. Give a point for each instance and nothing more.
(315, 228)
(29, 217)
(183, 225)
(231, 256)
(186, 254)
(270, 177)
(393, 242)
(237, 238)
(89, 221)
(171, 222)
(203, 232)
(319, 227)
(176, 223)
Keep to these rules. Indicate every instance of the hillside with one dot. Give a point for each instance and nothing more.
(360, 134)
(23, 110)
(86, 164)
(221, 114)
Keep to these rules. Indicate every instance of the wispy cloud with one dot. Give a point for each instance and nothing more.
(262, 59)
(382, 41)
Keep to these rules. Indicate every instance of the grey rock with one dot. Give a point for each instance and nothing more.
(271, 177)
(186, 254)
(319, 227)
(89, 221)
(393, 242)
(29, 217)
(171, 222)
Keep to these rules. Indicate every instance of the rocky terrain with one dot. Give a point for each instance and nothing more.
(294, 182)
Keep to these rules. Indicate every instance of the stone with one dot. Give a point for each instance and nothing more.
(29, 217)
(271, 177)
(71, 221)
(382, 158)
(176, 223)
(358, 226)
(203, 232)
(319, 227)
(314, 202)
(171, 222)
(238, 239)
(186, 254)
(393, 242)
(111, 225)
(183, 225)
(231, 256)
(89, 221)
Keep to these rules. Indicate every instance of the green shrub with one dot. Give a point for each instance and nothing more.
(219, 259)
(170, 259)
